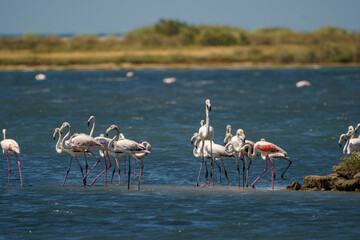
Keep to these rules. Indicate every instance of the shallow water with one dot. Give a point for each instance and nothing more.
(306, 122)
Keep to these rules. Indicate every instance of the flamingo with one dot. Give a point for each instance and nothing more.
(11, 146)
(206, 133)
(83, 142)
(218, 154)
(352, 144)
(127, 146)
(266, 149)
(233, 147)
(74, 152)
(102, 151)
(228, 134)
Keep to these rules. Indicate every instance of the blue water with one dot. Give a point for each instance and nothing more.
(306, 122)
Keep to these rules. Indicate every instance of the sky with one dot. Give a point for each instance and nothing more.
(121, 16)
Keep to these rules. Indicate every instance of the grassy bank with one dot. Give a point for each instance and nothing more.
(171, 43)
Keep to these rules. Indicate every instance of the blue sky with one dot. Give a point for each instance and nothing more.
(120, 16)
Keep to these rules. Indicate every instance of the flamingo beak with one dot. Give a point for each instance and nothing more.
(88, 124)
(210, 109)
(340, 145)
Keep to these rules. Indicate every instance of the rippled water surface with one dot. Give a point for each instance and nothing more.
(306, 122)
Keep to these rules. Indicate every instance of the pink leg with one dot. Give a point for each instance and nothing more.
(225, 171)
(134, 169)
(253, 184)
(67, 172)
(97, 162)
(7, 157)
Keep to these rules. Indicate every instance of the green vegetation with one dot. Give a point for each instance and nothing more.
(172, 41)
(350, 163)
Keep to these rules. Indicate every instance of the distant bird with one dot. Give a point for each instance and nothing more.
(72, 151)
(352, 144)
(266, 149)
(303, 83)
(40, 77)
(233, 146)
(10, 146)
(206, 133)
(218, 153)
(127, 146)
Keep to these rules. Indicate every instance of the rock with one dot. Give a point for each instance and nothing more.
(294, 186)
(317, 183)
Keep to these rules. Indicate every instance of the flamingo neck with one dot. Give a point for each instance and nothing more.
(58, 146)
(252, 151)
(110, 145)
(63, 145)
(207, 120)
(92, 129)
(4, 134)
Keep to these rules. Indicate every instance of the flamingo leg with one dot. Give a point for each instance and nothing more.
(7, 157)
(202, 161)
(67, 172)
(97, 162)
(243, 161)
(134, 168)
(237, 168)
(19, 169)
(82, 172)
(141, 171)
(105, 170)
(248, 163)
(86, 165)
(129, 174)
(125, 167)
(272, 172)
(219, 170)
(117, 164)
(290, 162)
(206, 171)
(253, 184)
(212, 164)
(225, 171)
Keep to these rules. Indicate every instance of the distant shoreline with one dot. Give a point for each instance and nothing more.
(128, 66)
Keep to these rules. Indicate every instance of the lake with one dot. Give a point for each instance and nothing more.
(265, 103)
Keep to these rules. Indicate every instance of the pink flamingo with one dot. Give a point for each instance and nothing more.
(127, 146)
(83, 142)
(11, 146)
(266, 149)
(74, 152)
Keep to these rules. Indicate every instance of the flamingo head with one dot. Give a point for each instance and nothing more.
(56, 131)
(91, 119)
(202, 122)
(111, 128)
(65, 125)
(208, 105)
(240, 133)
(4, 133)
(228, 128)
(194, 137)
(343, 137)
(351, 131)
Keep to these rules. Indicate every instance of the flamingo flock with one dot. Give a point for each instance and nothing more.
(236, 147)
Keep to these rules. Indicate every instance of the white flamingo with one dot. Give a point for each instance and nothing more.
(357, 128)
(127, 146)
(102, 151)
(218, 153)
(10, 146)
(266, 149)
(74, 152)
(228, 134)
(352, 143)
(233, 147)
(206, 133)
